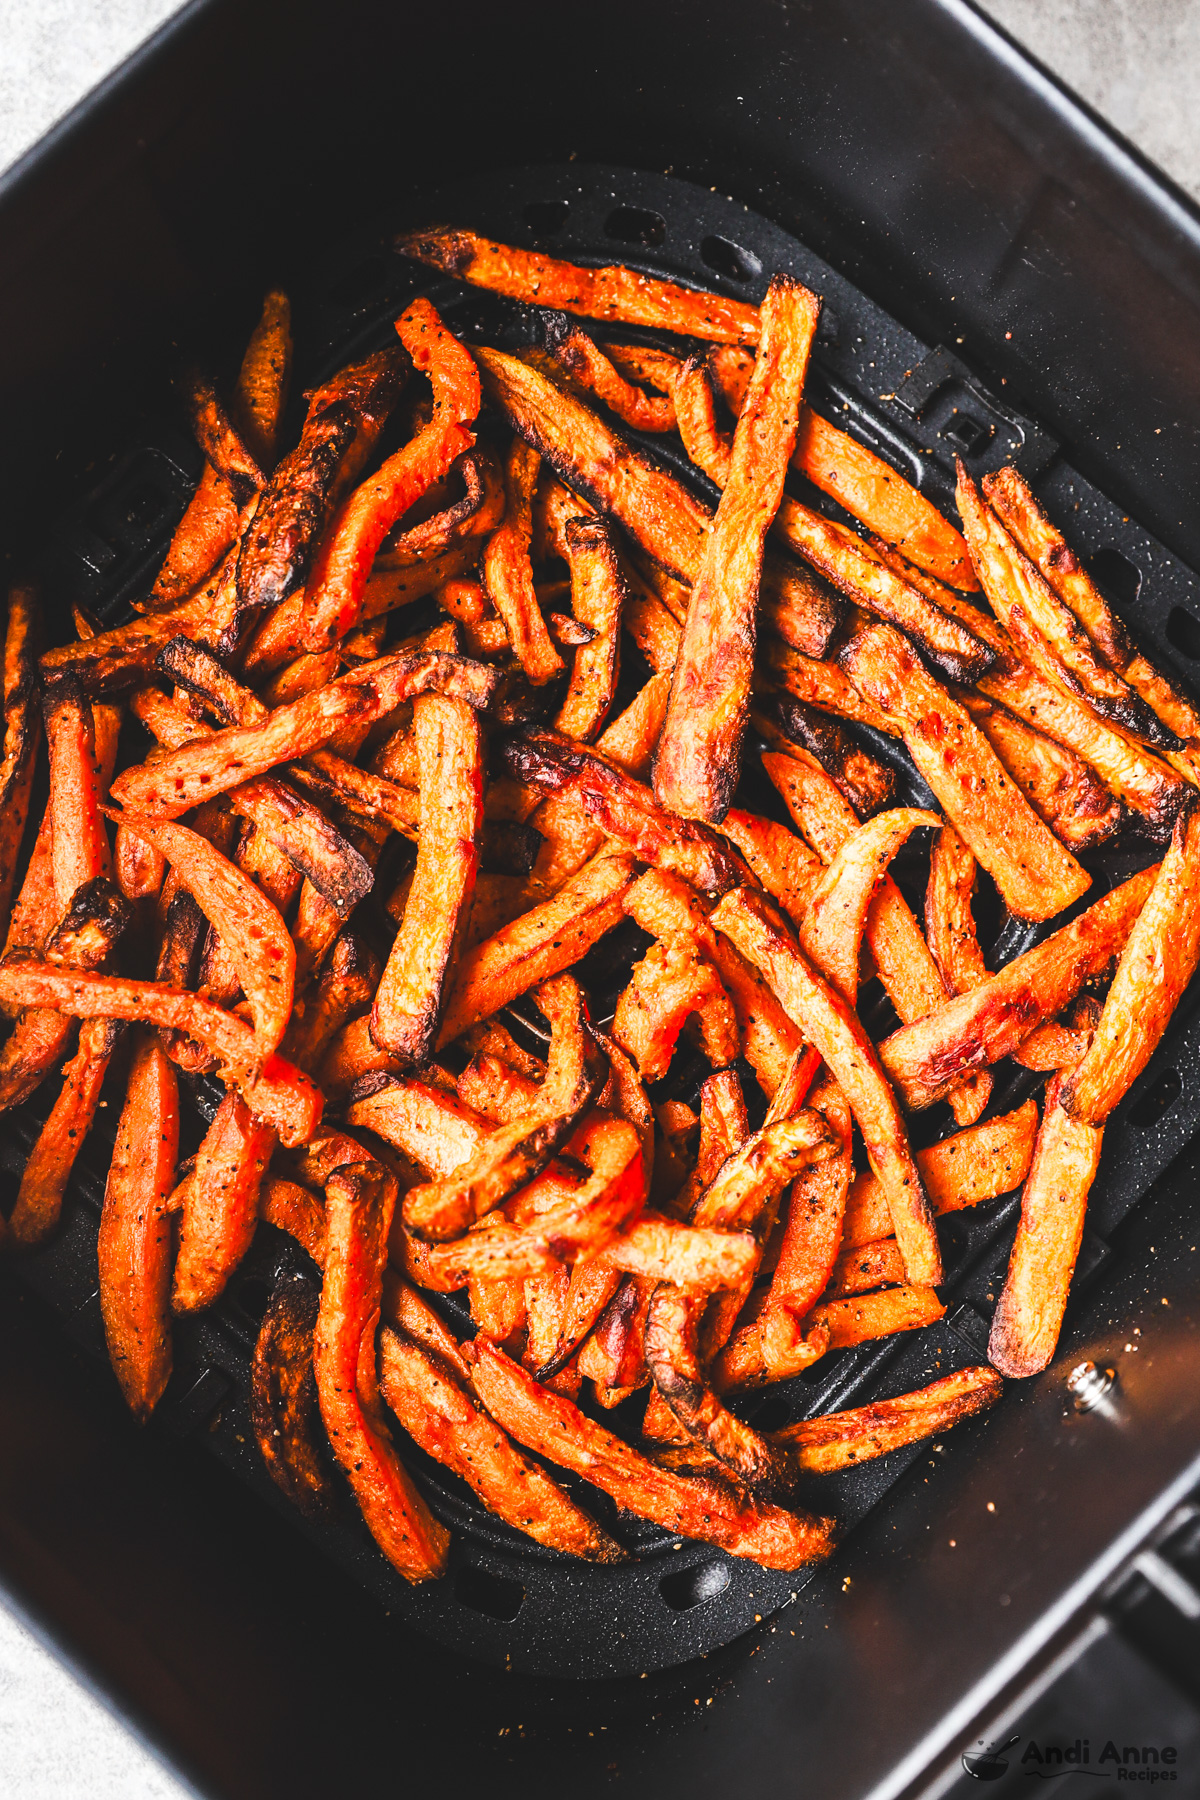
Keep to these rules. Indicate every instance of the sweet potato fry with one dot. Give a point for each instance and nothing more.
(707, 1509)
(48, 1169)
(35, 912)
(1147, 786)
(865, 1316)
(978, 1028)
(614, 293)
(428, 1124)
(671, 983)
(292, 1208)
(80, 840)
(21, 730)
(344, 420)
(1015, 507)
(949, 921)
(591, 367)
(694, 1258)
(118, 659)
(220, 441)
(1036, 874)
(580, 1224)
(953, 649)
(139, 867)
(256, 937)
(867, 785)
(1158, 960)
(831, 932)
(492, 1088)
(978, 1164)
(508, 572)
(598, 591)
(1030, 1310)
(436, 1407)
(214, 765)
(842, 1440)
(1044, 629)
(673, 1356)
(135, 1247)
(624, 808)
(834, 1031)
(512, 1156)
(696, 764)
(277, 1091)
(359, 1200)
(344, 991)
(408, 1004)
(906, 968)
(783, 862)
(261, 394)
(220, 1204)
(868, 1266)
(541, 943)
(811, 1236)
(1058, 784)
(477, 511)
(658, 512)
(205, 534)
(817, 684)
(333, 599)
(284, 1409)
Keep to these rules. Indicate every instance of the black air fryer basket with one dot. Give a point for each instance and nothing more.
(1001, 281)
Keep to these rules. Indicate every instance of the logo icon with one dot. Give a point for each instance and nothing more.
(988, 1764)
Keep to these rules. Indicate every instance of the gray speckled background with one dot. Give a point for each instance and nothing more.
(1136, 61)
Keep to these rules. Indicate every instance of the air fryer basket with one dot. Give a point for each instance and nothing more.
(506, 1599)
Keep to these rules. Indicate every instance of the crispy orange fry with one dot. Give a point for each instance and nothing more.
(220, 440)
(780, 859)
(1030, 1311)
(541, 943)
(291, 1208)
(594, 368)
(430, 1125)
(949, 921)
(1044, 544)
(21, 729)
(220, 1204)
(926, 1058)
(135, 1247)
(139, 867)
(257, 940)
(696, 766)
(971, 1166)
(811, 1237)
(48, 1169)
(358, 1207)
(408, 1004)
(598, 591)
(206, 532)
(1044, 629)
(284, 1410)
(612, 293)
(1158, 960)
(859, 480)
(214, 765)
(834, 1031)
(842, 1440)
(477, 511)
(656, 510)
(333, 599)
(701, 1508)
(436, 1407)
(508, 573)
(80, 840)
(866, 1316)
(277, 1091)
(512, 1156)
(1058, 784)
(832, 928)
(344, 990)
(672, 982)
(868, 1266)
(1037, 876)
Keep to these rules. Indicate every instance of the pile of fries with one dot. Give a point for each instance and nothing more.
(368, 766)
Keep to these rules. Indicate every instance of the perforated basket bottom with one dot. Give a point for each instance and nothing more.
(505, 1599)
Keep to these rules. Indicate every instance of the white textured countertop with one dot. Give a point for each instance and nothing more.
(1135, 61)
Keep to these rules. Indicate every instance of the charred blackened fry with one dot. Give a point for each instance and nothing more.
(592, 368)
(223, 448)
(284, 1410)
(477, 511)
(22, 727)
(867, 785)
(344, 420)
(697, 762)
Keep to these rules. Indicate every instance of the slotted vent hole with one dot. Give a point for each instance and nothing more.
(685, 1588)
(1115, 573)
(491, 1595)
(636, 225)
(546, 216)
(1183, 631)
(729, 259)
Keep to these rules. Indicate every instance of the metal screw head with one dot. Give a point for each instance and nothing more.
(1089, 1385)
